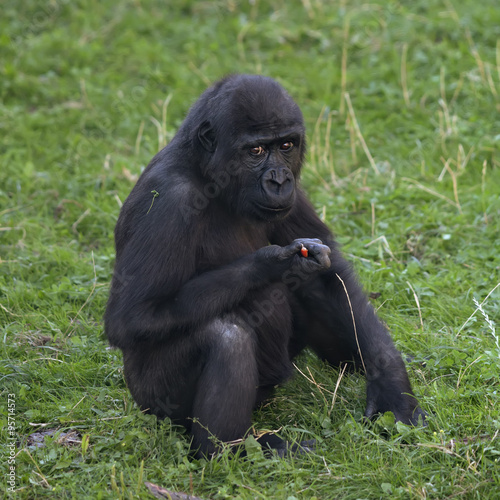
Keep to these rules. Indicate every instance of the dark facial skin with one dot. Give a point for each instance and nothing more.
(212, 296)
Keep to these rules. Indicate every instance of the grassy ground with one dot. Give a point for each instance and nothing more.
(402, 103)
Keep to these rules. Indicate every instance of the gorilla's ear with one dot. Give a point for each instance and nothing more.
(206, 136)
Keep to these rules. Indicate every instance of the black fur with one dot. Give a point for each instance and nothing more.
(211, 297)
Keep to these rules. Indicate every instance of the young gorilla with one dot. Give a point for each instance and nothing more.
(224, 273)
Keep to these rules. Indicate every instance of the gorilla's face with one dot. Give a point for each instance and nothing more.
(270, 164)
(257, 140)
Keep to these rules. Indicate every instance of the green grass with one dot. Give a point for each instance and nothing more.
(91, 90)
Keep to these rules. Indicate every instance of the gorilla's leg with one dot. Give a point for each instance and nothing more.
(206, 381)
(226, 389)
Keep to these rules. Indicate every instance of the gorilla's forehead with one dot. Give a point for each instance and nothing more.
(261, 105)
(269, 128)
(266, 132)
(267, 135)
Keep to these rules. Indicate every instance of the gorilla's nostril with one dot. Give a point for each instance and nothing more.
(277, 178)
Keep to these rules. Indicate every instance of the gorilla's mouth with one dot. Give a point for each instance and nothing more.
(271, 211)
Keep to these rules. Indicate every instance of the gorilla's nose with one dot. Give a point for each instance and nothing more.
(278, 182)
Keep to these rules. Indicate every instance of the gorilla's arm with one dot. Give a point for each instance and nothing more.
(326, 296)
(336, 300)
(142, 311)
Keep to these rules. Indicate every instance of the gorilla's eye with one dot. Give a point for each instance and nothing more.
(257, 151)
(286, 146)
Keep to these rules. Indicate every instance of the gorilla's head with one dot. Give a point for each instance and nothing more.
(252, 135)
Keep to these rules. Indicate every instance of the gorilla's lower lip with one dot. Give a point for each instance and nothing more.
(272, 209)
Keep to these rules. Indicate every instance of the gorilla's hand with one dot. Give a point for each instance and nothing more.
(385, 394)
(317, 256)
(282, 259)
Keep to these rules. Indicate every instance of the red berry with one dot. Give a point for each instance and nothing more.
(304, 251)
